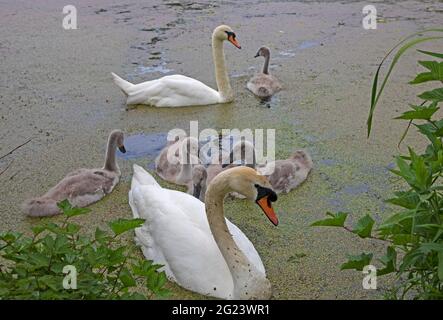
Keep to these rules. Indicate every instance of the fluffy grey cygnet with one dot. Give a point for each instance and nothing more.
(263, 84)
(81, 187)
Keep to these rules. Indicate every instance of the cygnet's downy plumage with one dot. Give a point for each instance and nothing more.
(81, 187)
(263, 84)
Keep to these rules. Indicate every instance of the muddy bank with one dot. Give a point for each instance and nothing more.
(56, 88)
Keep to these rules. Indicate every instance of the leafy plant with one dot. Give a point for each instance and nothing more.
(414, 233)
(105, 267)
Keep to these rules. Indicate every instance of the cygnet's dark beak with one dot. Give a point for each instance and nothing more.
(122, 149)
(197, 191)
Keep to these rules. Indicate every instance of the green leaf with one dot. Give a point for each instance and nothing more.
(9, 237)
(70, 211)
(406, 200)
(122, 225)
(364, 226)
(423, 77)
(435, 74)
(76, 212)
(38, 260)
(64, 205)
(404, 239)
(337, 220)
(156, 281)
(430, 246)
(433, 95)
(389, 261)
(422, 175)
(357, 262)
(101, 236)
(52, 282)
(433, 54)
(405, 170)
(133, 296)
(38, 229)
(116, 256)
(424, 113)
(72, 228)
(375, 95)
(126, 278)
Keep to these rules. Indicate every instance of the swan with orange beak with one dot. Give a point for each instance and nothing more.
(180, 91)
(199, 248)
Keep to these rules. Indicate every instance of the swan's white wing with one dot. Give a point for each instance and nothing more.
(173, 236)
(172, 91)
(246, 246)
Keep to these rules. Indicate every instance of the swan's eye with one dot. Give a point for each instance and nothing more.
(265, 192)
(230, 34)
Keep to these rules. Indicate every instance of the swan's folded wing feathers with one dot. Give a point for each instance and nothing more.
(246, 246)
(173, 91)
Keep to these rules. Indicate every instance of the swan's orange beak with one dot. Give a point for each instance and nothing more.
(234, 41)
(265, 205)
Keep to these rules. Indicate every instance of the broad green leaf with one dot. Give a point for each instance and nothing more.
(38, 229)
(143, 268)
(423, 77)
(100, 235)
(122, 225)
(62, 245)
(433, 95)
(406, 200)
(64, 205)
(156, 281)
(363, 228)
(126, 278)
(404, 170)
(389, 261)
(424, 113)
(410, 259)
(116, 256)
(396, 221)
(404, 239)
(38, 260)
(336, 220)
(435, 74)
(76, 212)
(9, 237)
(429, 247)
(70, 211)
(53, 282)
(357, 262)
(133, 296)
(72, 228)
(422, 175)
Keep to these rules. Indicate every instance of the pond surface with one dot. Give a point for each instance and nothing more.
(56, 88)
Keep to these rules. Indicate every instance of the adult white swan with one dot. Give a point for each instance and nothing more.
(180, 91)
(200, 249)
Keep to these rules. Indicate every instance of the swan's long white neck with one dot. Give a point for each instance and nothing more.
(221, 73)
(110, 161)
(249, 283)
